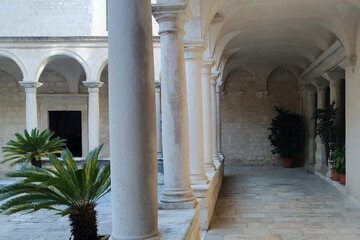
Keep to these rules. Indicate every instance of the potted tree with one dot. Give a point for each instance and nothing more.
(325, 129)
(338, 156)
(30, 148)
(77, 189)
(286, 135)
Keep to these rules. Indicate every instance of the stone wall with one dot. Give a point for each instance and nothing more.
(12, 110)
(246, 118)
(45, 18)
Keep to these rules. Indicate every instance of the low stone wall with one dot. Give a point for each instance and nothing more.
(208, 195)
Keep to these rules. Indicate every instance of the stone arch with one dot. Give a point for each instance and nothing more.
(39, 66)
(98, 68)
(17, 61)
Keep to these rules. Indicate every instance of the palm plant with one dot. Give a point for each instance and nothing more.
(32, 147)
(78, 189)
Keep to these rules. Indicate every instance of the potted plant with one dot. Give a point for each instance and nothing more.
(286, 135)
(30, 148)
(338, 156)
(325, 129)
(78, 189)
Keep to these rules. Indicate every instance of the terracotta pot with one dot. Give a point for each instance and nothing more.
(288, 162)
(334, 175)
(342, 179)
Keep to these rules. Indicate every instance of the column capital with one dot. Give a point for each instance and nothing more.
(310, 89)
(157, 85)
(93, 86)
(214, 76)
(218, 88)
(194, 49)
(208, 63)
(321, 84)
(171, 17)
(27, 84)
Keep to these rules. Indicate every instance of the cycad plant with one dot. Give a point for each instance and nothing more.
(32, 147)
(78, 189)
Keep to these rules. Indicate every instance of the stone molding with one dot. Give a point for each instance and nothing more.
(27, 84)
(93, 86)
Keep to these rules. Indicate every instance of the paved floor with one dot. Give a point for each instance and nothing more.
(269, 203)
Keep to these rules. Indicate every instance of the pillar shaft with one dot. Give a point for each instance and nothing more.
(207, 118)
(158, 120)
(132, 121)
(320, 154)
(214, 119)
(94, 113)
(218, 121)
(193, 53)
(175, 125)
(31, 104)
(310, 107)
(335, 95)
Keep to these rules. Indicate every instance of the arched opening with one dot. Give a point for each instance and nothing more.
(12, 101)
(62, 107)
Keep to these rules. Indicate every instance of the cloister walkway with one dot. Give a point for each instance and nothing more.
(275, 203)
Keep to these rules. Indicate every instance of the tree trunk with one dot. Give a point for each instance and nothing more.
(83, 223)
(36, 163)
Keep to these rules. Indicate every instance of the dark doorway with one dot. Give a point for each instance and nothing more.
(67, 125)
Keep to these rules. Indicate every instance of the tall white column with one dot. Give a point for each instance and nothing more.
(207, 109)
(214, 119)
(193, 53)
(158, 120)
(310, 107)
(132, 121)
(218, 121)
(171, 19)
(320, 154)
(31, 104)
(336, 81)
(94, 113)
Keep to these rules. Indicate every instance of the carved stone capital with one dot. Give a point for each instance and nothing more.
(171, 17)
(27, 84)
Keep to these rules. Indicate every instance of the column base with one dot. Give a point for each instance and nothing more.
(155, 236)
(198, 179)
(177, 199)
(221, 156)
(209, 167)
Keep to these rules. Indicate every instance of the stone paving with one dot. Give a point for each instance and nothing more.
(272, 203)
(45, 225)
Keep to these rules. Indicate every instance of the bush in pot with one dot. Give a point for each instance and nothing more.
(77, 189)
(286, 135)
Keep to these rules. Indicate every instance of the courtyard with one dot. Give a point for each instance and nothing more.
(254, 203)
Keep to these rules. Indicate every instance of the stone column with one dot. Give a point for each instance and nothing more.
(175, 125)
(94, 113)
(214, 107)
(132, 121)
(158, 120)
(31, 104)
(336, 81)
(310, 107)
(320, 154)
(218, 121)
(207, 109)
(193, 53)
